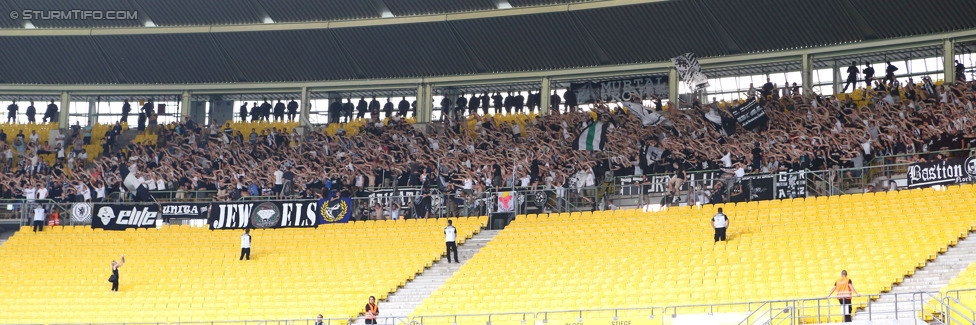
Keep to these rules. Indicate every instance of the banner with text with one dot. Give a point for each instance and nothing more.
(658, 184)
(124, 216)
(257, 214)
(946, 172)
(750, 115)
(620, 89)
(185, 210)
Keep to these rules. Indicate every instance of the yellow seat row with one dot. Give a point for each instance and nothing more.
(784, 249)
(179, 273)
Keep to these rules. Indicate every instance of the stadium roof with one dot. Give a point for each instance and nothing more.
(648, 31)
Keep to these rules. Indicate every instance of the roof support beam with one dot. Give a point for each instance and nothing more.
(806, 73)
(948, 61)
(326, 24)
(487, 78)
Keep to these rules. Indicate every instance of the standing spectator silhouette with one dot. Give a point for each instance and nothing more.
(868, 74)
(852, 72)
(51, 114)
(292, 110)
(12, 112)
(31, 112)
(889, 73)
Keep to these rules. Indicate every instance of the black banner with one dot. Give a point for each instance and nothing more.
(658, 184)
(750, 115)
(258, 214)
(760, 188)
(124, 216)
(620, 89)
(946, 172)
(185, 210)
(791, 185)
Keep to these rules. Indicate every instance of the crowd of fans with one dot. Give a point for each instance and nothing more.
(470, 153)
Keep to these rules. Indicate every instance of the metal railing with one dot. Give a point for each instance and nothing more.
(772, 312)
(961, 313)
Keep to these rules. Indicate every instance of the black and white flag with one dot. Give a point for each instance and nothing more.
(690, 71)
(652, 154)
(648, 118)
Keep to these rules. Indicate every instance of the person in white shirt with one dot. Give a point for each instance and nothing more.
(720, 222)
(30, 193)
(246, 245)
(279, 182)
(99, 191)
(450, 237)
(39, 217)
(41, 192)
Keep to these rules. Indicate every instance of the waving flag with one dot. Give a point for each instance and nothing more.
(593, 137)
(690, 71)
(648, 118)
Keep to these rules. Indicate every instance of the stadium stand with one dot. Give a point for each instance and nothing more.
(789, 249)
(180, 273)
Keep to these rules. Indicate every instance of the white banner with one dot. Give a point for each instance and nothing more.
(506, 201)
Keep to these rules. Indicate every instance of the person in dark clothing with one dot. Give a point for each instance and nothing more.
(126, 109)
(347, 109)
(497, 101)
(335, 108)
(571, 101)
(374, 108)
(473, 104)
(266, 110)
(255, 112)
(485, 103)
(292, 109)
(450, 238)
(388, 108)
(52, 112)
(509, 103)
(960, 71)
(445, 107)
(12, 112)
(31, 112)
(554, 101)
(519, 102)
(114, 279)
(868, 74)
(535, 100)
(148, 109)
(767, 89)
(721, 223)
(852, 72)
(889, 73)
(279, 111)
(243, 112)
(460, 104)
(361, 108)
(403, 107)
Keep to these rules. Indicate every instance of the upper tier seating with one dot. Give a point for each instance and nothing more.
(179, 273)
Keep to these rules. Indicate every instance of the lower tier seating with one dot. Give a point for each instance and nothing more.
(786, 249)
(179, 273)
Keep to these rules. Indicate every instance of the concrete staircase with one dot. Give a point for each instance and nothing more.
(931, 278)
(396, 307)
